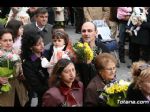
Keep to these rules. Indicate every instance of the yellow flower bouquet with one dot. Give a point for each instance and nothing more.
(83, 51)
(115, 92)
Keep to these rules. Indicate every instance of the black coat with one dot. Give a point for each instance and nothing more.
(135, 95)
(143, 35)
(36, 77)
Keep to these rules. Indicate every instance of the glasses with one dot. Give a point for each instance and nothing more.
(110, 69)
(89, 30)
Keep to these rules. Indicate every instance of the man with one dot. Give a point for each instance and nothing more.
(87, 70)
(89, 33)
(41, 26)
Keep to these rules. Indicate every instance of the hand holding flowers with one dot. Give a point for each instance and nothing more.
(114, 92)
(83, 51)
(7, 67)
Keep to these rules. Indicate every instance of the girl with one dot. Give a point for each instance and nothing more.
(65, 89)
(17, 95)
(61, 48)
(17, 28)
(36, 76)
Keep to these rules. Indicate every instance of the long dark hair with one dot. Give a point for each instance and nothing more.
(14, 25)
(57, 70)
(29, 39)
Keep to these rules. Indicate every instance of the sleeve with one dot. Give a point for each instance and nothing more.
(52, 98)
(48, 100)
(90, 98)
(86, 72)
(102, 46)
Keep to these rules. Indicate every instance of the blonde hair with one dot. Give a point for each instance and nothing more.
(140, 71)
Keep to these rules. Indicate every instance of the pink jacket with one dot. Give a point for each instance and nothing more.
(123, 11)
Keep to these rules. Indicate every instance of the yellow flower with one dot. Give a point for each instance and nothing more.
(83, 51)
(115, 91)
(80, 45)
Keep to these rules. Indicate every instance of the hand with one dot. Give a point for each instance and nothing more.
(3, 80)
(139, 23)
(21, 77)
(89, 61)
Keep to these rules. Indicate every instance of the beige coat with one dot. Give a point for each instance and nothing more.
(8, 99)
(59, 13)
(96, 13)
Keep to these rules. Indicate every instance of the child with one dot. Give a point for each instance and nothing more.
(138, 15)
(61, 48)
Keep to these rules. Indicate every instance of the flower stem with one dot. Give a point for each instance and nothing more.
(8, 64)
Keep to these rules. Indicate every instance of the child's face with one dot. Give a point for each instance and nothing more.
(58, 42)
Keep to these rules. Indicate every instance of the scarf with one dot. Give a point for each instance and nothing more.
(67, 92)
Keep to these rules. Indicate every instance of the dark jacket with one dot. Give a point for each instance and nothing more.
(36, 77)
(46, 32)
(60, 95)
(135, 95)
(93, 90)
(143, 35)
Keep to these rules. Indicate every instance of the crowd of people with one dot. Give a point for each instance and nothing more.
(46, 71)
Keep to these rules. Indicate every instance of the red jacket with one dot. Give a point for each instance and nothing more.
(64, 96)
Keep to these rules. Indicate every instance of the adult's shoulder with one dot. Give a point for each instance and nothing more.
(52, 98)
(96, 83)
(55, 93)
(29, 25)
(49, 25)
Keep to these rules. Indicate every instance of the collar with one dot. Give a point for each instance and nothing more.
(105, 81)
(39, 27)
(65, 90)
(33, 57)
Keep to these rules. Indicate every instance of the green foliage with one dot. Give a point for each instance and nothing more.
(6, 87)
(3, 21)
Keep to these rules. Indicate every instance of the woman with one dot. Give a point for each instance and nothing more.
(17, 28)
(105, 65)
(17, 95)
(139, 91)
(36, 76)
(65, 89)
